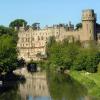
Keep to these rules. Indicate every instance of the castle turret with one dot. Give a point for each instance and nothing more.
(89, 24)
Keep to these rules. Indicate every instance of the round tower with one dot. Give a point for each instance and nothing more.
(89, 24)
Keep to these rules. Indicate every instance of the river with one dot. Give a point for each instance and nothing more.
(45, 86)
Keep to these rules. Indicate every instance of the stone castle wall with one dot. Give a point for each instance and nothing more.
(32, 42)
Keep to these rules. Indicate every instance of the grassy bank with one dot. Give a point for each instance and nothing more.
(90, 81)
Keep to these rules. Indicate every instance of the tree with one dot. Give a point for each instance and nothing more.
(36, 26)
(79, 63)
(87, 60)
(9, 31)
(8, 54)
(72, 55)
(97, 25)
(62, 54)
(79, 25)
(8, 50)
(93, 59)
(18, 23)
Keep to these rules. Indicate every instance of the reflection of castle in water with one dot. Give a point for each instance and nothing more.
(35, 86)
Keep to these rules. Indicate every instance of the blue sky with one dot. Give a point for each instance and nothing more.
(47, 12)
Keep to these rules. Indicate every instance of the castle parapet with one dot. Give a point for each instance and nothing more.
(88, 15)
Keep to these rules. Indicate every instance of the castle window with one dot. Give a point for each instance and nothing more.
(38, 38)
(42, 38)
(22, 39)
(28, 39)
(57, 33)
(32, 39)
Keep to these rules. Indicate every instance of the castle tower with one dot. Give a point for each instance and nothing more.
(89, 24)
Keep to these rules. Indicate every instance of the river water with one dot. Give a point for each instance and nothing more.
(45, 86)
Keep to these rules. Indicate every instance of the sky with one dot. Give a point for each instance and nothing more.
(46, 12)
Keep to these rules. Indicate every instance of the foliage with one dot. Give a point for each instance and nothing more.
(79, 25)
(98, 68)
(73, 55)
(97, 25)
(8, 50)
(7, 30)
(62, 54)
(18, 23)
(36, 26)
(8, 53)
(69, 88)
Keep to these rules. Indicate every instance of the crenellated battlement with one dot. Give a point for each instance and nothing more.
(88, 15)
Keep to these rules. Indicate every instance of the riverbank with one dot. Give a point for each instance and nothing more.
(90, 80)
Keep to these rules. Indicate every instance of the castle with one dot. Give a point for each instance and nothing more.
(33, 42)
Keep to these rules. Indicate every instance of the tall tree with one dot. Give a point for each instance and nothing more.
(8, 50)
(78, 26)
(8, 53)
(18, 23)
(36, 26)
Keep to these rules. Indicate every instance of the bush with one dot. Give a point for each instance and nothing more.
(79, 62)
(98, 68)
(74, 56)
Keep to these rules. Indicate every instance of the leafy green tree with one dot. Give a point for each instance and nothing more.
(62, 54)
(18, 23)
(73, 56)
(36, 26)
(79, 63)
(8, 50)
(87, 60)
(8, 31)
(92, 61)
(78, 26)
(97, 25)
(8, 53)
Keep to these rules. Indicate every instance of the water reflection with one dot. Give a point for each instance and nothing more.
(35, 87)
(9, 89)
(42, 86)
(64, 87)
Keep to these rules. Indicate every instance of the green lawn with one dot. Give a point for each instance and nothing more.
(90, 80)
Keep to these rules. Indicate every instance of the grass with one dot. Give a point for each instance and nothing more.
(90, 80)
